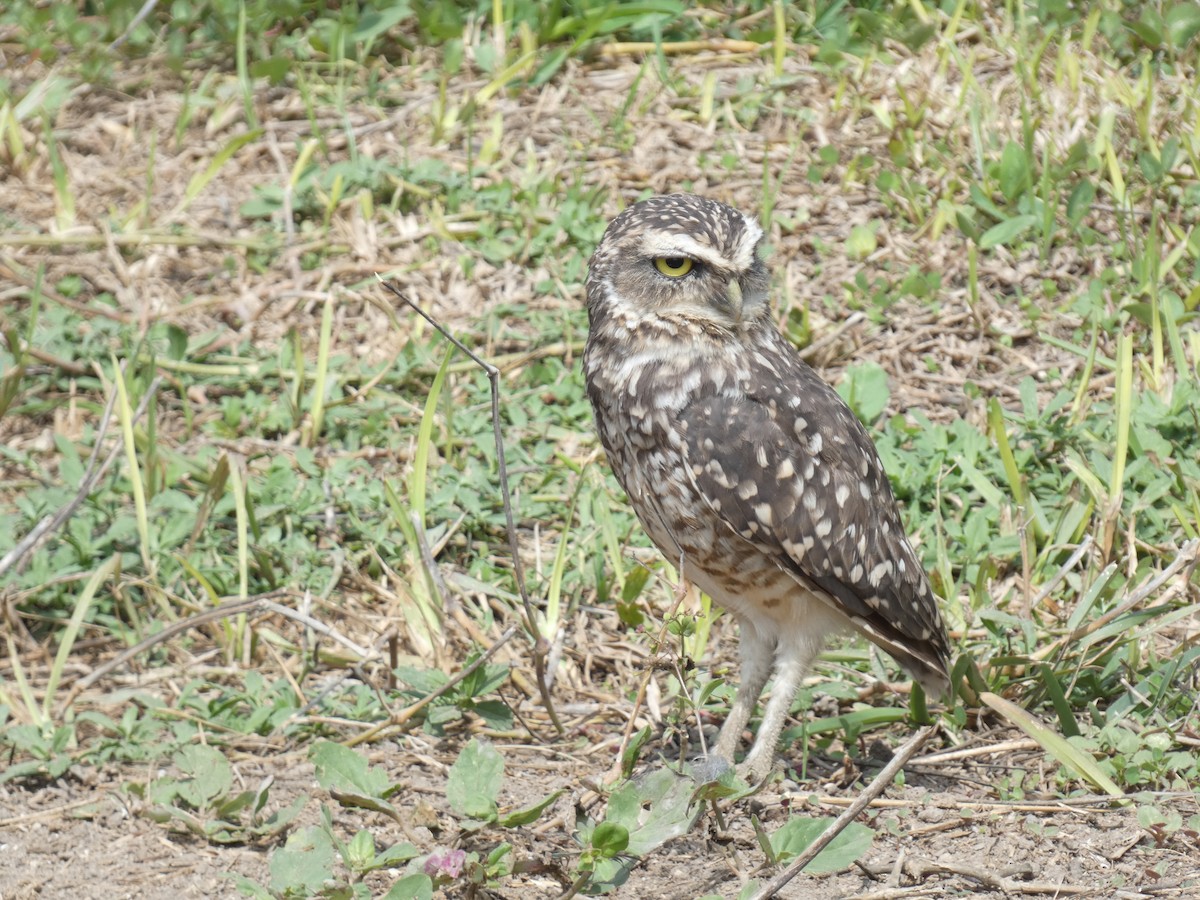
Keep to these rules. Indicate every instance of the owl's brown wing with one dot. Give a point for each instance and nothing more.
(794, 473)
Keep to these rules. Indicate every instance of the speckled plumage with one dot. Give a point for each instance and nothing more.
(741, 463)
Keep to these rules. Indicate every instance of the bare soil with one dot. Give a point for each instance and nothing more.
(943, 834)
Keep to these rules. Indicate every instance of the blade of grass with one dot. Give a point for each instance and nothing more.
(418, 477)
(201, 179)
(780, 37)
(695, 644)
(322, 374)
(1055, 744)
(236, 632)
(1123, 401)
(243, 69)
(1011, 472)
(64, 196)
(554, 589)
(66, 640)
(125, 418)
(31, 705)
(1062, 707)
(10, 384)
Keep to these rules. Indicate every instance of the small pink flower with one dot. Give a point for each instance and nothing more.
(445, 864)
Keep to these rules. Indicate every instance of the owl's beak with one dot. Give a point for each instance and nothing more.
(734, 295)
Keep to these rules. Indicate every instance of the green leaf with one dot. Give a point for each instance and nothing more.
(1053, 685)
(527, 814)
(653, 809)
(227, 808)
(274, 68)
(211, 775)
(397, 853)
(355, 800)
(411, 887)
(304, 863)
(727, 786)
(549, 66)
(862, 242)
(485, 679)
(474, 781)
(797, 833)
(1150, 35)
(865, 390)
(374, 22)
(1001, 234)
(281, 819)
(609, 839)
(360, 852)
(495, 714)
(1183, 22)
(343, 769)
(1015, 174)
(630, 757)
(634, 582)
(1080, 201)
(424, 680)
(177, 341)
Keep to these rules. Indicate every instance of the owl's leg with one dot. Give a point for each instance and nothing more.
(791, 662)
(757, 651)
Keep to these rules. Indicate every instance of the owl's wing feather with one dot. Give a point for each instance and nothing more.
(803, 482)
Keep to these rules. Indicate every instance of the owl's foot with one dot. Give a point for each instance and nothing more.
(757, 769)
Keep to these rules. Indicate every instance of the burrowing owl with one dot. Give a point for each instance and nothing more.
(741, 463)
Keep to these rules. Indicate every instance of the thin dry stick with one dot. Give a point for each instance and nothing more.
(261, 603)
(541, 646)
(903, 753)
(1066, 567)
(147, 8)
(935, 759)
(713, 45)
(1188, 556)
(1003, 880)
(47, 813)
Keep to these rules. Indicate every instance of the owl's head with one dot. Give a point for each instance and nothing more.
(680, 256)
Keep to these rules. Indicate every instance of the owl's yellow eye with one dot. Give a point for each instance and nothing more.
(673, 266)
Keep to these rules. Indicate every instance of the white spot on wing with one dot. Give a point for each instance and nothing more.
(747, 489)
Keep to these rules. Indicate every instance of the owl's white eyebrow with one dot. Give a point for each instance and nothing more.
(657, 245)
(680, 245)
(669, 245)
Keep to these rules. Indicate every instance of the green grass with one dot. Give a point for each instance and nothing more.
(1028, 200)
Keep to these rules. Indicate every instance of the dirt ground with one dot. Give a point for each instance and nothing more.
(943, 834)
